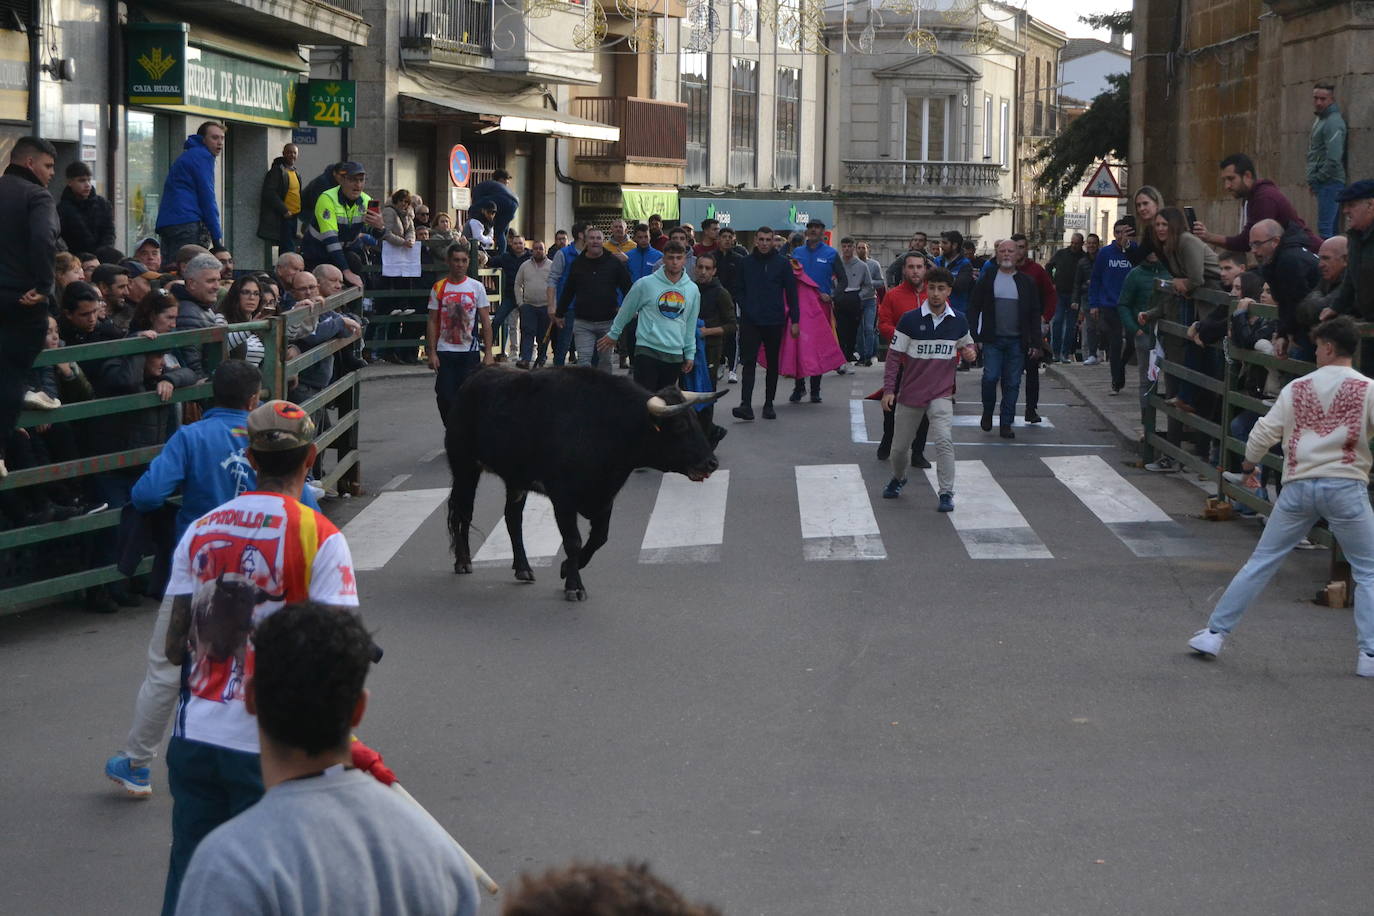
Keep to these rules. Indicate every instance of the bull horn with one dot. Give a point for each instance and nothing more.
(697, 397)
(661, 408)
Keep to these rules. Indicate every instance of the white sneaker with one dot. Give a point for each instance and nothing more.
(40, 400)
(1205, 642)
(1308, 544)
(1364, 665)
(1091, 361)
(732, 377)
(4, 471)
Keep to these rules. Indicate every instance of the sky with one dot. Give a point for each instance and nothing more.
(1064, 16)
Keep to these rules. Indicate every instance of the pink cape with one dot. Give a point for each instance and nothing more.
(817, 350)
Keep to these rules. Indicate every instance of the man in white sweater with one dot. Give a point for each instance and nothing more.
(1324, 420)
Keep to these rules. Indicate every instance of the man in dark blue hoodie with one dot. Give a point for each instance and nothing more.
(189, 213)
(497, 190)
(768, 291)
(207, 461)
(1110, 268)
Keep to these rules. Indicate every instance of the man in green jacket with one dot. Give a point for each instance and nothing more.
(1137, 292)
(667, 303)
(1326, 156)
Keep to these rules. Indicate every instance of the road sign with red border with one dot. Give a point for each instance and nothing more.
(459, 165)
(1103, 183)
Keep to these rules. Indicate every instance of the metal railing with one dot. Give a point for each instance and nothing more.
(462, 26)
(909, 172)
(52, 559)
(650, 130)
(389, 329)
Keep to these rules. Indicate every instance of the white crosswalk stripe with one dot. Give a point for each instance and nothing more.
(538, 529)
(986, 519)
(688, 521)
(375, 534)
(1140, 524)
(837, 520)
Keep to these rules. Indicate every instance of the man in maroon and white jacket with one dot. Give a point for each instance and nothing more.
(925, 352)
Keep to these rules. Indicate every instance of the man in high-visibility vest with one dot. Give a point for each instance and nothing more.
(341, 214)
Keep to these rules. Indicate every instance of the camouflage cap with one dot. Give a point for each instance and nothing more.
(278, 426)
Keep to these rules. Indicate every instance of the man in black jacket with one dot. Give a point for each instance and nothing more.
(1004, 313)
(28, 248)
(597, 281)
(279, 208)
(767, 303)
(87, 218)
(1291, 272)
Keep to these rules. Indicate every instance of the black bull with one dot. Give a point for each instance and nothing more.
(574, 434)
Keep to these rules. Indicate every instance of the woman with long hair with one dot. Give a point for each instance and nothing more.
(243, 303)
(1191, 260)
(1146, 203)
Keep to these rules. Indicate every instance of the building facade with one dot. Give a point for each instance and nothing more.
(1242, 82)
(1039, 119)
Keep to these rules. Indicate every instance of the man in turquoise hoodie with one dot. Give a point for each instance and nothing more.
(667, 303)
(189, 212)
(207, 461)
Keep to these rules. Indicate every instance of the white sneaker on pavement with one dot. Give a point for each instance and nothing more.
(1091, 361)
(1206, 642)
(1364, 665)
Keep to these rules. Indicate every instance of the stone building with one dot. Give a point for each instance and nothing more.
(1039, 121)
(1240, 80)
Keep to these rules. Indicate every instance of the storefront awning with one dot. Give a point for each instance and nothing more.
(510, 116)
(641, 203)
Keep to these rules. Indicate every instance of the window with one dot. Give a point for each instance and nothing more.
(699, 27)
(744, 19)
(788, 27)
(694, 90)
(927, 123)
(744, 119)
(786, 145)
(987, 127)
(1006, 134)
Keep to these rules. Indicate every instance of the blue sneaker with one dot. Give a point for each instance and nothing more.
(136, 781)
(946, 502)
(893, 488)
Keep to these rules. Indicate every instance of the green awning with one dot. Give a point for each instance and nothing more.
(638, 204)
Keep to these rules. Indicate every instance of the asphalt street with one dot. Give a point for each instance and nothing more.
(815, 702)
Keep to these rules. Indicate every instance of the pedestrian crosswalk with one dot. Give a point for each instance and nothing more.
(687, 522)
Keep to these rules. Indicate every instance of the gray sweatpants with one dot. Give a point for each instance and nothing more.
(585, 336)
(157, 696)
(905, 422)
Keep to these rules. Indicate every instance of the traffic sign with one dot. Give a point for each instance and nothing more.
(1103, 183)
(459, 165)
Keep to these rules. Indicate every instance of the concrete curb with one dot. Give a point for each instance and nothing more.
(1129, 433)
(390, 370)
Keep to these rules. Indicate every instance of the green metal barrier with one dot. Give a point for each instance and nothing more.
(27, 551)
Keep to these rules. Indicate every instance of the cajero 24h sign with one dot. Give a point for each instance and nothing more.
(331, 103)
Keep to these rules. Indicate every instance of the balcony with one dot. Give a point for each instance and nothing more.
(652, 148)
(290, 22)
(447, 31)
(916, 178)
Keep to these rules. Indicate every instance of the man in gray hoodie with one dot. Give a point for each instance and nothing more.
(1326, 156)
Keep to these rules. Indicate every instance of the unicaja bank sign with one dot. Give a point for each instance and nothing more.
(747, 214)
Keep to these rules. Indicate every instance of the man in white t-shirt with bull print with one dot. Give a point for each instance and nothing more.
(234, 566)
(456, 304)
(1324, 421)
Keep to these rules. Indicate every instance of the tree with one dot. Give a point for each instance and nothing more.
(1101, 132)
(1112, 22)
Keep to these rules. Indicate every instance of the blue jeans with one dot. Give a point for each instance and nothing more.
(454, 369)
(534, 323)
(563, 339)
(1003, 360)
(1062, 330)
(1327, 207)
(1344, 503)
(209, 785)
(868, 331)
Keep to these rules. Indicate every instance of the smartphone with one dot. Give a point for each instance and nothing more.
(374, 206)
(1191, 215)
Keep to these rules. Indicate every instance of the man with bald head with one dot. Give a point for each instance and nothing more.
(288, 265)
(1291, 272)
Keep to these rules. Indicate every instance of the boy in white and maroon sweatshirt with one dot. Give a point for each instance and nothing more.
(925, 352)
(1325, 420)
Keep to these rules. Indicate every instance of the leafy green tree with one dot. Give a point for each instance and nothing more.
(1113, 22)
(1101, 132)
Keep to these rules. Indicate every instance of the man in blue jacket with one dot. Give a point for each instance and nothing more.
(497, 190)
(207, 461)
(768, 302)
(1110, 268)
(189, 212)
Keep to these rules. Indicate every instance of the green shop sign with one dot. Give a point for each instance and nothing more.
(205, 82)
(157, 63)
(330, 103)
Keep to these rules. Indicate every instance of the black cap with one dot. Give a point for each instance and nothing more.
(1358, 190)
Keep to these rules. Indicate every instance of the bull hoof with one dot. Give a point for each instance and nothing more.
(462, 568)
(524, 575)
(575, 594)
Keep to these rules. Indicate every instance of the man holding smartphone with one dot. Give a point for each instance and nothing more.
(341, 215)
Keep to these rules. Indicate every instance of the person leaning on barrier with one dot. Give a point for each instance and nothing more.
(1324, 420)
(1332, 260)
(1291, 272)
(197, 295)
(1356, 293)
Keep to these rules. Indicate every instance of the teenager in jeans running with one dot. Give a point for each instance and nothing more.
(1324, 420)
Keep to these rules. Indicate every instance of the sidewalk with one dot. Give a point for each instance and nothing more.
(1094, 385)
